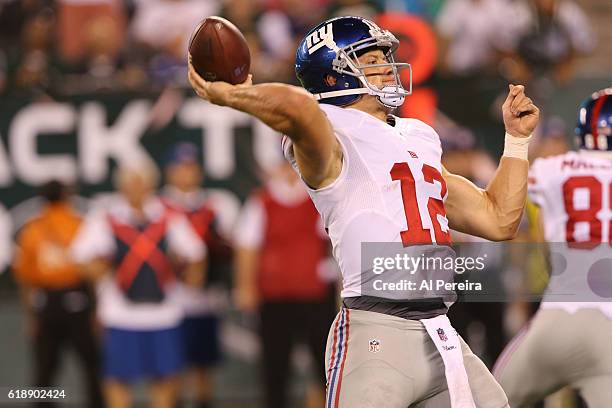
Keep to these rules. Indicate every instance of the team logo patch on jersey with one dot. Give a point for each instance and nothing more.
(442, 335)
(413, 154)
(374, 346)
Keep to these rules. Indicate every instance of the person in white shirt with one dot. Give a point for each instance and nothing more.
(474, 33)
(137, 250)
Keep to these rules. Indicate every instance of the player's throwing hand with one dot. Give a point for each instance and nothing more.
(215, 92)
(520, 114)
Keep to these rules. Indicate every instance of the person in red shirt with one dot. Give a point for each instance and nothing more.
(280, 252)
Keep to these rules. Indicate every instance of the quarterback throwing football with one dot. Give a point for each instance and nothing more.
(377, 177)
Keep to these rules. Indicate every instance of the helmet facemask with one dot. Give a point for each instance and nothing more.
(347, 62)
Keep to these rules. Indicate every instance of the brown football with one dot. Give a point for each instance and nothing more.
(219, 51)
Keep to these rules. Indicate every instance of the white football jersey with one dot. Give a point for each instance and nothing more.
(390, 188)
(574, 193)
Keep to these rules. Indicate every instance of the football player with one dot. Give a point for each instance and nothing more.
(375, 177)
(565, 343)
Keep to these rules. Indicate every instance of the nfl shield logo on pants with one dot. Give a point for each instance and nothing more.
(374, 346)
(442, 334)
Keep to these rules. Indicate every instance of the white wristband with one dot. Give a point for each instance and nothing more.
(516, 146)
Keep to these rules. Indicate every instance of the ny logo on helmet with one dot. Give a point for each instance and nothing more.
(319, 38)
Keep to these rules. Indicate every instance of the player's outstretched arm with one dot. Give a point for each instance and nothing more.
(495, 212)
(289, 110)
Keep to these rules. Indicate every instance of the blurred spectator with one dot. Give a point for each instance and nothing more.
(34, 59)
(427, 9)
(102, 42)
(59, 304)
(163, 28)
(267, 63)
(201, 324)
(461, 155)
(473, 37)
(141, 243)
(552, 138)
(6, 237)
(552, 34)
(283, 4)
(280, 29)
(103, 58)
(86, 27)
(279, 253)
(472, 34)
(13, 16)
(243, 13)
(360, 8)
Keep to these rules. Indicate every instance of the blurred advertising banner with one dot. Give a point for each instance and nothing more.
(80, 140)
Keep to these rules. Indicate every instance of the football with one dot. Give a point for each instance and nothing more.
(219, 51)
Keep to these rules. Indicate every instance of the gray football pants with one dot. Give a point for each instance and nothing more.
(375, 360)
(557, 349)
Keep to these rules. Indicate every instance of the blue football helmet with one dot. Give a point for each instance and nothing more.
(326, 62)
(594, 128)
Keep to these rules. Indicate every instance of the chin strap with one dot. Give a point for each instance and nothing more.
(385, 97)
(344, 92)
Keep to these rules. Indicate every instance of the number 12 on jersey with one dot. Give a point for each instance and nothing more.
(416, 234)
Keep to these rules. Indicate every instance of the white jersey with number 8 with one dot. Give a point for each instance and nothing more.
(390, 188)
(574, 192)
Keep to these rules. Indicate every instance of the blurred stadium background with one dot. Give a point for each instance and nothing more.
(88, 84)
